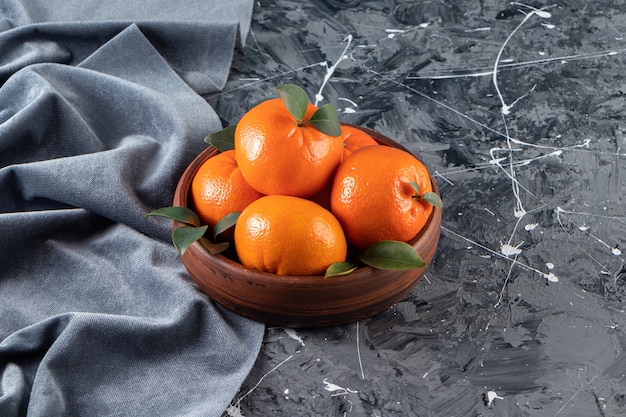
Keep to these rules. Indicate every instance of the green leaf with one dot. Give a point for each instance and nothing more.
(433, 199)
(184, 236)
(326, 120)
(295, 99)
(181, 214)
(339, 269)
(225, 223)
(212, 247)
(430, 197)
(392, 254)
(222, 140)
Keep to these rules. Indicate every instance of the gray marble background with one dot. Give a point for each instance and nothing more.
(522, 312)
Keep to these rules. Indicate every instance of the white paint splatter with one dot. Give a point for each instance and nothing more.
(542, 13)
(531, 226)
(510, 250)
(329, 72)
(491, 396)
(551, 277)
(336, 389)
(549, 265)
(234, 410)
(292, 334)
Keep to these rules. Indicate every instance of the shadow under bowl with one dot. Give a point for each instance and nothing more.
(303, 301)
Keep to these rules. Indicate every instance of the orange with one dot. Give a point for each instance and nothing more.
(373, 198)
(288, 235)
(278, 156)
(354, 139)
(218, 188)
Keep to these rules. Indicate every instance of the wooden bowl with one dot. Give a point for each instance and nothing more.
(303, 301)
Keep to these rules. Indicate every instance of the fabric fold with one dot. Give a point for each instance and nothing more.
(196, 39)
(98, 119)
(121, 117)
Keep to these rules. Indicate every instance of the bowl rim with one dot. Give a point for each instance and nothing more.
(181, 199)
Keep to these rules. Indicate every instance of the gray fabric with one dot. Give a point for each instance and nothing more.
(100, 113)
(196, 37)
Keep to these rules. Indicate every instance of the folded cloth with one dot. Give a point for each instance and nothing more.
(98, 119)
(196, 37)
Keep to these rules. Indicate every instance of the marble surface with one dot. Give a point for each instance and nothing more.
(522, 312)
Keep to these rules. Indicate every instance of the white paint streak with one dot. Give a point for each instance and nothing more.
(484, 29)
(234, 410)
(329, 72)
(347, 100)
(492, 251)
(358, 350)
(293, 335)
(509, 63)
(539, 12)
(350, 109)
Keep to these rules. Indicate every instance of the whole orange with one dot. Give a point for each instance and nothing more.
(218, 188)
(278, 156)
(373, 198)
(288, 235)
(354, 139)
